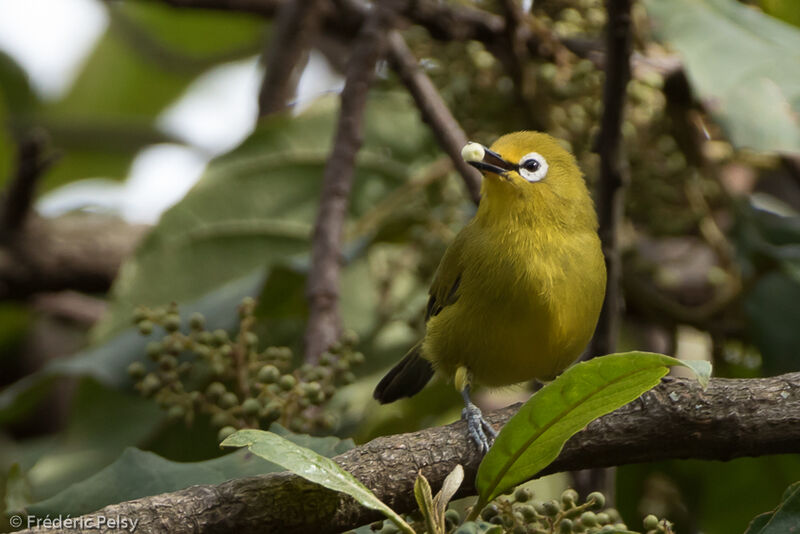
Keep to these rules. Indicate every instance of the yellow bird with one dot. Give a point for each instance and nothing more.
(517, 294)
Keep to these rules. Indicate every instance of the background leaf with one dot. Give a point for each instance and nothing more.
(140, 473)
(742, 64)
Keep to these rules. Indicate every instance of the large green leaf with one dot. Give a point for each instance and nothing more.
(742, 63)
(107, 362)
(146, 59)
(311, 466)
(140, 473)
(533, 438)
(256, 205)
(785, 518)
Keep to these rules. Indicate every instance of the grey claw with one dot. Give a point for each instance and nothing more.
(478, 428)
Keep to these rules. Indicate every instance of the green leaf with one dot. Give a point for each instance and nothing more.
(256, 206)
(138, 473)
(311, 466)
(18, 493)
(742, 63)
(533, 438)
(108, 362)
(785, 518)
(424, 498)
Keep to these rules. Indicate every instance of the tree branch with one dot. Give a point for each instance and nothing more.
(676, 420)
(31, 165)
(77, 252)
(294, 26)
(434, 110)
(322, 290)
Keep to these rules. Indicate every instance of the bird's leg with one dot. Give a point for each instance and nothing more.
(478, 428)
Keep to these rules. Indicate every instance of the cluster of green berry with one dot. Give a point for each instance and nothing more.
(519, 513)
(233, 382)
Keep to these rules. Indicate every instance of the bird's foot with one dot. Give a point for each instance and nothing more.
(478, 428)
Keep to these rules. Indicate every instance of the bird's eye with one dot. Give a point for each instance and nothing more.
(533, 167)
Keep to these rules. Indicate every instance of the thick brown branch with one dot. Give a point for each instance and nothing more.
(676, 420)
(82, 253)
(434, 110)
(294, 26)
(323, 279)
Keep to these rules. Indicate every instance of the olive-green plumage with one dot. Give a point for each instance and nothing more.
(517, 294)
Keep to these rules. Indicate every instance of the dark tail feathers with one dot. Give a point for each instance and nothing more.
(405, 379)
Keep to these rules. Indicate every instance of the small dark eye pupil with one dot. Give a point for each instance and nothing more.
(531, 165)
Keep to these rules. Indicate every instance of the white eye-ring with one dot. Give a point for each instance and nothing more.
(533, 167)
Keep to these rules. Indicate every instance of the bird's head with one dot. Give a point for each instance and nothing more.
(529, 175)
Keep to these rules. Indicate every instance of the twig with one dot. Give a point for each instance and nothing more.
(610, 200)
(610, 190)
(676, 420)
(31, 165)
(296, 22)
(434, 110)
(322, 290)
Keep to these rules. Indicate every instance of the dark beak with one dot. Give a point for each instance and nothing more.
(492, 162)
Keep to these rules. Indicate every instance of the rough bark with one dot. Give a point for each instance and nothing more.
(677, 419)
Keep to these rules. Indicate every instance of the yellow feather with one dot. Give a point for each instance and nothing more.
(532, 274)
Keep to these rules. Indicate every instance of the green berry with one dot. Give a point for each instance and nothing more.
(246, 307)
(287, 382)
(224, 432)
(522, 494)
(349, 338)
(215, 390)
(136, 370)
(489, 512)
(251, 339)
(172, 323)
(603, 518)
(154, 350)
(599, 500)
(269, 374)
(145, 327)
(228, 400)
(220, 419)
(551, 508)
(140, 314)
(197, 322)
(150, 384)
(357, 358)
(272, 410)
(348, 378)
(569, 497)
(452, 517)
(220, 337)
(251, 407)
(650, 522)
(527, 512)
(519, 529)
(565, 526)
(167, 362)
(588, 519)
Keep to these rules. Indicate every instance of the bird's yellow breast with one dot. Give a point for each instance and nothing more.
(528, 303)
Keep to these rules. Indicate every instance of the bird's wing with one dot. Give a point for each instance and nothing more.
(444, 289)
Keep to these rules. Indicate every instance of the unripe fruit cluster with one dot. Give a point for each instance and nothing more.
(520, 513)
(197, 371)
